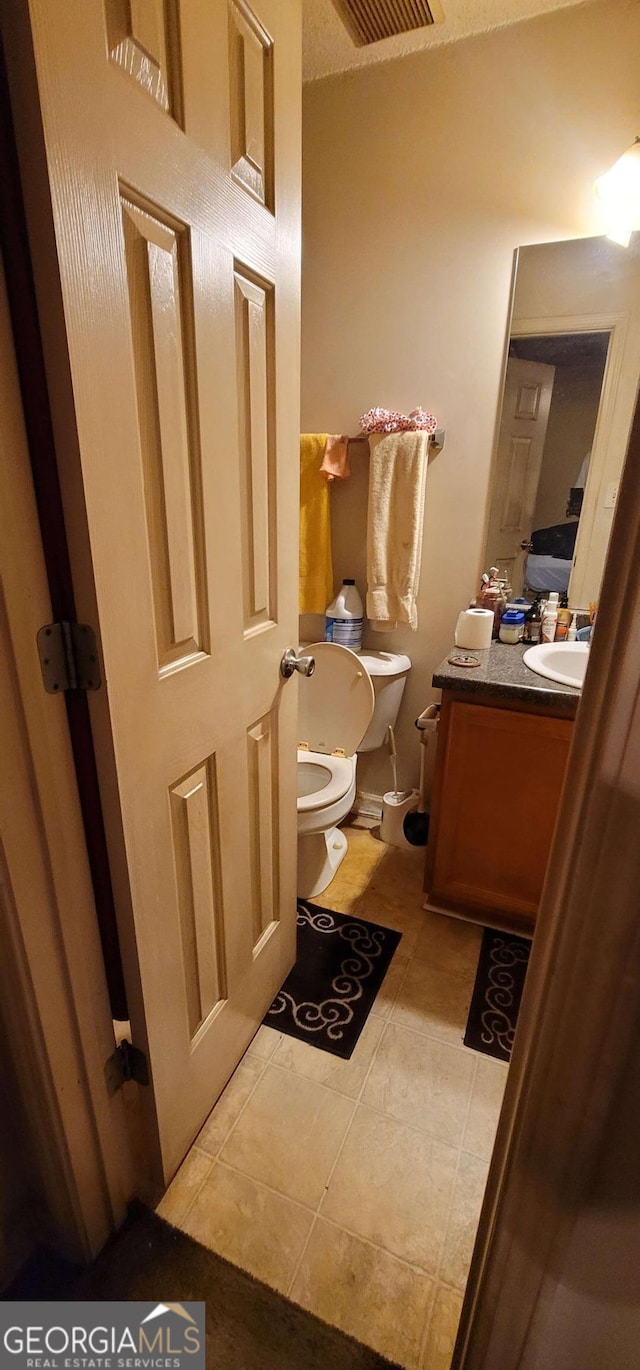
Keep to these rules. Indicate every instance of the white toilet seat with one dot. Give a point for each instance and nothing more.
(335, 707)
(333, 779)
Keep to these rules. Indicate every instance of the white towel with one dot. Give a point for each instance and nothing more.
(397, 484)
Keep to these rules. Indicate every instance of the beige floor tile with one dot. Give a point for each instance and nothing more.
(249, 1225)
(368, 1293)
(422, 1082)
(289, 1135)
(364, 854)
(184, 1187)
(386, 996)
(355, 872)
(264, 1043)
(401, 872)
(347, 1077)
(391, 912)
(486, 1102)
(392, 1185)
(434, 1001)
(442, 1330)
(463, 1222)
(449, 943)
(341, 896)
(230, 1104)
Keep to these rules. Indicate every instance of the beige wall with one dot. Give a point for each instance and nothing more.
(421, 176)
(572, 420)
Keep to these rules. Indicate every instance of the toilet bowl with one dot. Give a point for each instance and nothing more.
(326, 791)
(335, 709)
(344, 708)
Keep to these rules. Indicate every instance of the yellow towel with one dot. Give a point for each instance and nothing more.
(316, 570)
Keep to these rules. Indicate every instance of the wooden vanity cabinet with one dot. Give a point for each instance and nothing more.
(497, 784)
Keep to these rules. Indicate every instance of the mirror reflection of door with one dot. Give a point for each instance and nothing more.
(550, 408)
(528, 390)
(575, 307)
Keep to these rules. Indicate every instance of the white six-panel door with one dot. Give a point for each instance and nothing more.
(526, 403)
(172, 135)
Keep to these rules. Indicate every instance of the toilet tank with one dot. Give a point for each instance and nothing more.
(388, 671)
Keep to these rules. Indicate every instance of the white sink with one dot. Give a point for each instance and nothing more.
(565, 662)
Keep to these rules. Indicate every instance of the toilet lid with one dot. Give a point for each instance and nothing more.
(335, 704)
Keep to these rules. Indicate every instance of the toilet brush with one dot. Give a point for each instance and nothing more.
(416, 823)
(394, 759)
(395, 803)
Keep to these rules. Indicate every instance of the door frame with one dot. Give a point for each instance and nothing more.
(578, 1020)
(53, 987)
(617, 325)
(24, 99)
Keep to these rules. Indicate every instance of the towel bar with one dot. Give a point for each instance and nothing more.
(436, 439)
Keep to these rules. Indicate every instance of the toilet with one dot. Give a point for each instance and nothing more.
(345, 706)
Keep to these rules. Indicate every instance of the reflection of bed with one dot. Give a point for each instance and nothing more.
(547, 573)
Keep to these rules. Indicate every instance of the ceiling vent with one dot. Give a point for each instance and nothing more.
(369, 21)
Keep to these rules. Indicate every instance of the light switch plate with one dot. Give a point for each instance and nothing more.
(611, 494)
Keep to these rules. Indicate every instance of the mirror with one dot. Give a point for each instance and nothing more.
(571, 378)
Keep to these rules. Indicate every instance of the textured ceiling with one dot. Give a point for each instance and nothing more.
(328, 48)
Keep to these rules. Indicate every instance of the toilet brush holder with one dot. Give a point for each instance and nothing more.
(395, 807)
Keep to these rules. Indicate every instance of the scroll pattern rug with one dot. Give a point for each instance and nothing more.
(497, 992)
(340, 966)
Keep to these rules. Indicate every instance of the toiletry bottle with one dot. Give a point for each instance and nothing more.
(529, 622)
(512, 625)
(344, 618)
(535, 625)
(550, 619)
(573, 628)
(564, 623)
(492, 596)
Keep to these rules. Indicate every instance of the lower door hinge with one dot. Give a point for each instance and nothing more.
(126, 1063)
(68, 657)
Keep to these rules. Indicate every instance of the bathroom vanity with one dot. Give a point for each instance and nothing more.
(503, 742)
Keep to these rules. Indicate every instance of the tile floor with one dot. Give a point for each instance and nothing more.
(355, 1186)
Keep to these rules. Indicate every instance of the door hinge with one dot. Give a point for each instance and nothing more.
(68, 657)
(126, 1063)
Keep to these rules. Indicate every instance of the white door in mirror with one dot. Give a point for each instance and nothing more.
(565, 662)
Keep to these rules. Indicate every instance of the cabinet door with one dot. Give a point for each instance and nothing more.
(501, 780)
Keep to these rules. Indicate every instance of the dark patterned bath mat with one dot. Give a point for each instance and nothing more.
(495, 1005)
(340, 966)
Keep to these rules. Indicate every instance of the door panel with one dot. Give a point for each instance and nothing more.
(254, 350)
(251, 87)
(139, 41)
(158, 275)
(196, 839)
(178, 252)
(263, 759)
(526, 403)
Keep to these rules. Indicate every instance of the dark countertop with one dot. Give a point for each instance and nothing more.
(503, 674)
